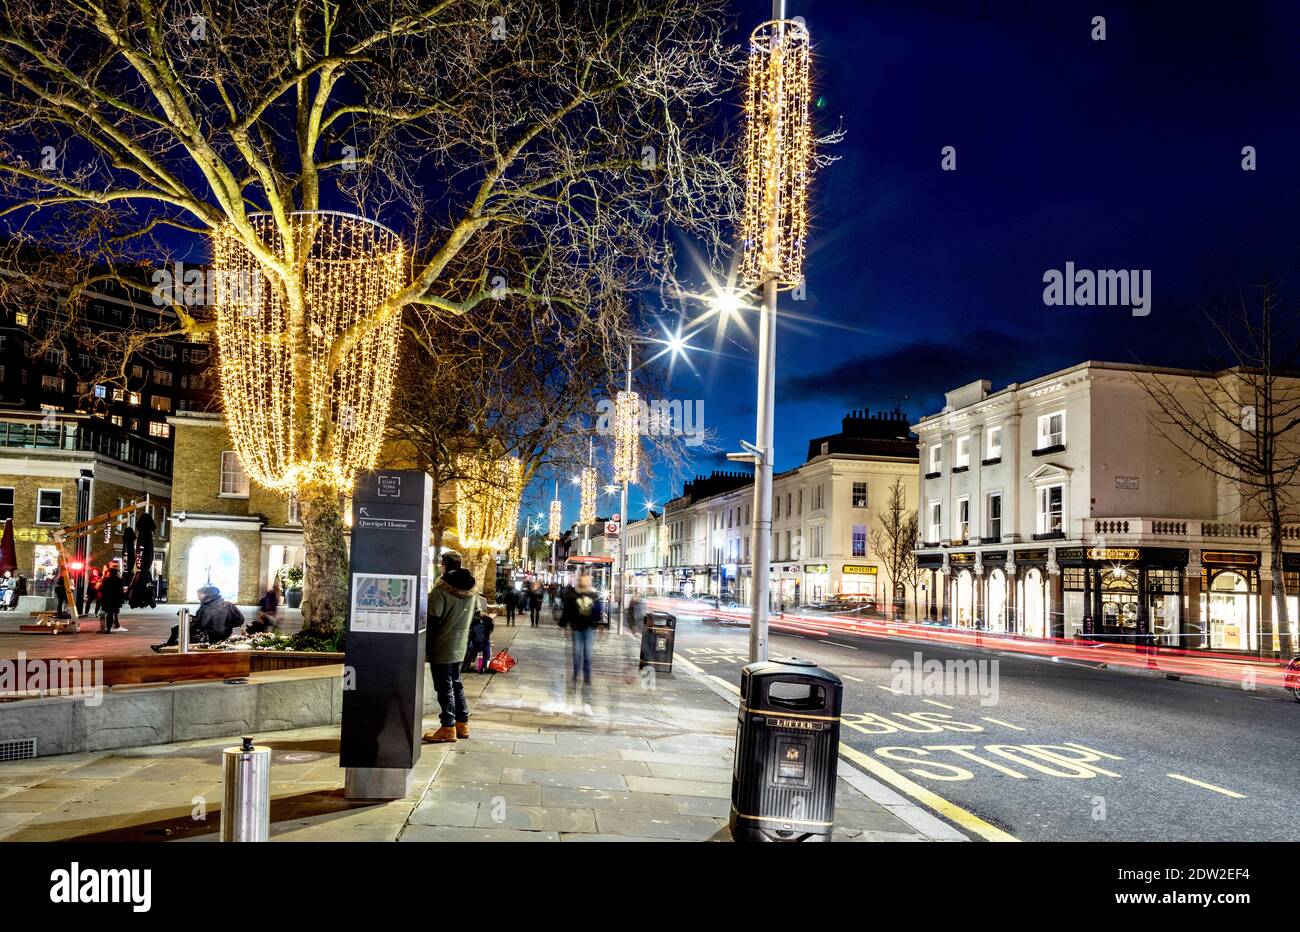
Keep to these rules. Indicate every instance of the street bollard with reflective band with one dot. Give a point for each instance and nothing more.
(246, 793)
(183, 630)
(657, 634)
(787, 752)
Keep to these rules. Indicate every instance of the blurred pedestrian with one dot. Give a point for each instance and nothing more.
(111, 596)
(534, 603)
(511, 602)
(583, 614)
(268, 612)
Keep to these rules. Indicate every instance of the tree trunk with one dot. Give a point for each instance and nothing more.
(325, 595)
(1281, 621)
(481, 561)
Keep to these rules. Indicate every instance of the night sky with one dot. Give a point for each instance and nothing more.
(1120, 154)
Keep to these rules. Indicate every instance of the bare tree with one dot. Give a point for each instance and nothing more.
(893, 540)
(538, 150)
(1243, 425)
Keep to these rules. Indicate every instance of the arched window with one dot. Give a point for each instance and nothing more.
(212, 561)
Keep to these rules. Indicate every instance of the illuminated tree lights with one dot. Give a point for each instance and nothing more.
(587, 488)
(487, 500)
(296, 419)
(553, 532)
(777, 152)
(627, 436)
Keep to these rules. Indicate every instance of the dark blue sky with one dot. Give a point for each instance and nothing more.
(1121, 154)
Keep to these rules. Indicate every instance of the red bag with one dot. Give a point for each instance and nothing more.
(502, 662)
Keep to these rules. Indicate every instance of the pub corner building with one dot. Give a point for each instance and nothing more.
(1056, 508)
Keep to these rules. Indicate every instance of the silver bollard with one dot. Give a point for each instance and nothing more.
(246, 793)
(183, 630)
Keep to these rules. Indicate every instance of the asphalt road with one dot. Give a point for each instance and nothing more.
(1050, 751)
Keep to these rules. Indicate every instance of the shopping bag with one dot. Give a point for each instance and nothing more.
(502, 662)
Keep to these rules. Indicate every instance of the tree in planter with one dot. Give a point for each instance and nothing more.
(1243, 426)
(893, 541)
(564, 142)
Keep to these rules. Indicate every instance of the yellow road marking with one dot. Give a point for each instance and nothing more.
(929, 798)
(1207, 786)
(1004, 724)
(939, 704)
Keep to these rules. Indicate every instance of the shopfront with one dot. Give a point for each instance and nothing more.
(816, 582)
(1128, 595)
(859, 582)
(1230, 599)
(1032, 594)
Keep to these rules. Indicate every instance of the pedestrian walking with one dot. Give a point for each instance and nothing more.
(583, 614)
(511, 601)
(453, 604)
(111, 596)
(93, 578)
(535, 603)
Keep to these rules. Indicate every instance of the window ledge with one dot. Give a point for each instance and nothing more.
(1044, 451)
(957, 469)
(933, 475)
(991, 462)
(1050, 535)
(232, 495)
(991, 540)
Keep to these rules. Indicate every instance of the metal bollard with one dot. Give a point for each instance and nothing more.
(246, 793)
(183, 630)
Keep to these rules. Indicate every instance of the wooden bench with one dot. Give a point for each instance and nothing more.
(173, 668)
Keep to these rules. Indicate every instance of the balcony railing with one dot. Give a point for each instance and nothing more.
(90, 437)
(1181, 529)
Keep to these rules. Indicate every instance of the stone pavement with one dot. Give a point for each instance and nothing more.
(647, 764)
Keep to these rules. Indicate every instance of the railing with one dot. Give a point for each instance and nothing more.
(1182, 529)
(90, 437)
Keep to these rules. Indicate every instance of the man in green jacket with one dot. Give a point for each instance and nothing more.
(452, 605)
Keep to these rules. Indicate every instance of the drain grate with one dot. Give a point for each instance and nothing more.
(17, 748)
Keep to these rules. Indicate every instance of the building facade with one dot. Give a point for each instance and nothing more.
(823, 514)
(226, 531)
(1055, 507)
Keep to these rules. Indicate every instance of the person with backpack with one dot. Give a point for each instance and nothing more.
(583, 613)
(215, 620)
(453, 604)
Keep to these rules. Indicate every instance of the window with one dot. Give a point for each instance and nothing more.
(83, 361)
(776, 504)
(6, 504)
(1050, 508)
(49, 506)
(993, 443)
(859, 495)
(816, 541)
(137, 372)
(962, 530)
(53, 383)
(160, 403)
(962, 459)
(117, 394)
(1051, 430)
(117, 420)
(936, 457)
(133, 398)
(165, 351)
(787, 546)
(993, 508)
(20, 318)
(859, 540)
(101, 391)
(162, 520)
(817, 498)
(234, 481)
(800, 511)
(788, 512)
(936, 522)
(55, 356)
(159, 429)
(162, 377)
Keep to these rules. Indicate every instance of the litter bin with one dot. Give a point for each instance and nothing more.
(657, 632)
(787, 752)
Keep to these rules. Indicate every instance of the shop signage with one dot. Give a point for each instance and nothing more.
(1031, 556)
(1291, 561)
(994, 556)
(32, 535)
(1229, 558)
(929, 560)
(857, 569)
(1114, 554)
(1126, 482)
(815, 568)
(961, 558)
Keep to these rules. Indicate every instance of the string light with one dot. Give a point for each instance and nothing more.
(294, 420)
(778, 153)
(627, 436)
(488, 491)
(556, 519)
(587, 488)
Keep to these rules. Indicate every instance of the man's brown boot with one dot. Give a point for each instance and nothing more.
(442, 735)
(462, 729)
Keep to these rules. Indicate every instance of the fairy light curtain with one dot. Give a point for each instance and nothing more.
(627, 436)
(587, 488)
(487, 500)
(777, 153)
(553, 532)
(293, 421)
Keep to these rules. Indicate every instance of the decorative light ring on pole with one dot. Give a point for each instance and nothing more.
(488, 491)
(293, 419)
(587, 487)
(556, 518)
(627, 436)
(777, 154)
